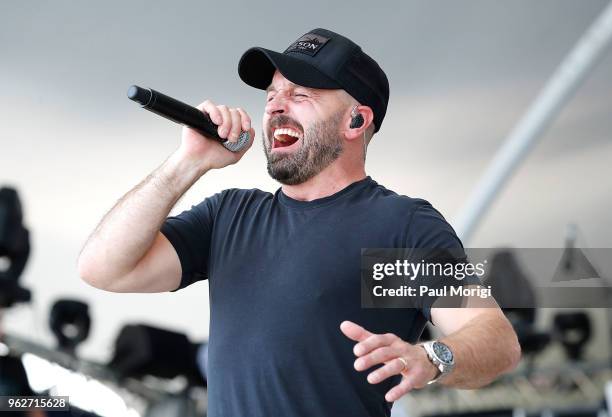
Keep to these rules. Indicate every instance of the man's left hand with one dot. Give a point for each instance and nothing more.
(398, 357)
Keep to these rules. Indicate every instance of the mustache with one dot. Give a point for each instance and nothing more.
(282, 120)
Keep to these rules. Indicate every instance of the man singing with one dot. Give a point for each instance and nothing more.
(288, 336)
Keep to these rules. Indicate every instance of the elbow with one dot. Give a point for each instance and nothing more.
(93, 273)
(90, 273)
(86, 271)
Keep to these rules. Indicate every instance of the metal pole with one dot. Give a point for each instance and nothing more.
(557, 91)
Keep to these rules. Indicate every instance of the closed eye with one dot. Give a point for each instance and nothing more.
(301, 95)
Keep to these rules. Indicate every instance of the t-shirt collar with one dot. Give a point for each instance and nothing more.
(290, 202)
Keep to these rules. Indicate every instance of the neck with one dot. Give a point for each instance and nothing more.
(327, 182)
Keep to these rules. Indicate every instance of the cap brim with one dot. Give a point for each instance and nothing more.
(257, 66)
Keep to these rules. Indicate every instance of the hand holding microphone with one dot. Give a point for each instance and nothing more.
(232, 122)
(229, 126)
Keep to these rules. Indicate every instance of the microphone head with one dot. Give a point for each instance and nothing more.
(139, 95)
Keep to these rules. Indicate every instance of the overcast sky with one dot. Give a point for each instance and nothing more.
(461, 75)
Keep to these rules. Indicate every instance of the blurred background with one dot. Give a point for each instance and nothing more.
(462, 74)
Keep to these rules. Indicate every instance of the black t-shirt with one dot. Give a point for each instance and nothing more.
(283, 275)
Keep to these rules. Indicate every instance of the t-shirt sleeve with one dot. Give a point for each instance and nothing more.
(190, 233)
(428, 229)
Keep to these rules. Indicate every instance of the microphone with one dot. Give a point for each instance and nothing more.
(184, 114)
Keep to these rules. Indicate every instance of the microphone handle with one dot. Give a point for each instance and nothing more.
(184, 114)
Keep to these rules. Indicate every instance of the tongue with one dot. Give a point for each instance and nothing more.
(289, 140)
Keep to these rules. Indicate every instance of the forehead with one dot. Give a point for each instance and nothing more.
(279, 81)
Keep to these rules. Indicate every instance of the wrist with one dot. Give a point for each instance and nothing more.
(441, 357)
(433, 373)
(186, 165)
(179, 172)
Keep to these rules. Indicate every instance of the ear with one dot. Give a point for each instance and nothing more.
(357, 132)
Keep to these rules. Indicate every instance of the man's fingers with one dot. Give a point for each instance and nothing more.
(236, 127)
(214, 113)
(374, 342)
(400, 389)
(246, 120)
(375, 357)
(224, 128)
(230, 122)
(393, 367)
(249, 144)
(354, 331)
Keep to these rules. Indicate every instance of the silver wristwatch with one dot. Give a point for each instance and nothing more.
(441, 356)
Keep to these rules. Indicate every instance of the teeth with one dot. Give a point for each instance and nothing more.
(286, 131)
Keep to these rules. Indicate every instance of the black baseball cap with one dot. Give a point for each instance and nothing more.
(321, 59)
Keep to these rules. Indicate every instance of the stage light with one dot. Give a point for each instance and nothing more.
(14, 249)
(70, 323)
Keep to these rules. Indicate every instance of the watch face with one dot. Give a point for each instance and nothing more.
(443, 352)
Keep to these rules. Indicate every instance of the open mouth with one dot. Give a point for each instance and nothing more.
(284, 137)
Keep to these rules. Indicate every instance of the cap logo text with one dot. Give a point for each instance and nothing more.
(308, 44)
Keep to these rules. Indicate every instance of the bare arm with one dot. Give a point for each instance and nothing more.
(131, 228)
(126, 252)
(483, 343)
(482, 340)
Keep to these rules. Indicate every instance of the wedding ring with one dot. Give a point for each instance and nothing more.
(404, 362)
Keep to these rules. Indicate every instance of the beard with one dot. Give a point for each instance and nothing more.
(321, 145)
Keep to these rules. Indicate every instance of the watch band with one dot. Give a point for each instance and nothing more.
(435, 378)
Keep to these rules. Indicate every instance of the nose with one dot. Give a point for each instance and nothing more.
(277, 105)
